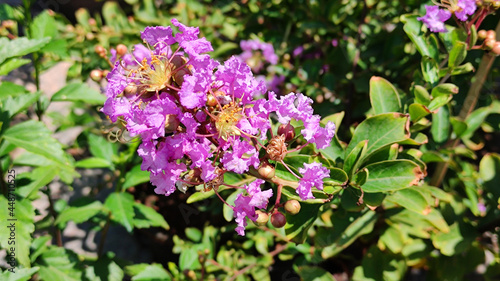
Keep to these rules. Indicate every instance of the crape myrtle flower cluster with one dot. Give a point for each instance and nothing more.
(198, 119)
(464, 11)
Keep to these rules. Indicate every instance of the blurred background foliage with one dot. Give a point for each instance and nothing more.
(329, 50)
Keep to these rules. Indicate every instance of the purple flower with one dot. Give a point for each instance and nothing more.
(241, 158)
(253, 45)
(435, 18)
(312, 175)
(244, 206)
(466, 8)
(165, 181)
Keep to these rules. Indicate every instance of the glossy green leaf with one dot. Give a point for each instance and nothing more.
(121, 207)
(445, 89)
(440, 128)
(146, 217)
(383, 96)
(20, 274)
(411, 199)
(337, 177)
(93, 162)
(24, 134)
(430, 70)
(15, 105)
(352, 160)
(79, 92)
(11, 64)
(347, 228)
(457, 54)
(380, 131)
(314, 273)
(135, 177)
(392, 175)
(59, 264)
(79, 214)
(393, 238)
(489, 170)
(38, 177)
(457, 240)
(149, 272)
(418, 111)
(413, 29)
(422, 96)
(20, 46)
(20, 214)
(378, 265)
(459, 127)
(297, 225)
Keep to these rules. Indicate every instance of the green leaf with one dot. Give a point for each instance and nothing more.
(418, 111)
(440, 128)
(22, 214)
(35, 137)
(352, 160)
(39, 177)
(457, 54)
(383, 96)
(413, 29)
(456, 241)
(121, 207)
(380, 130)
(337, 177)
(79, 214)
(59, 264)
(228, 211)
(39, 246)
(438, 102)
(148, 272)
(189, 259)
(20, 47)
(137, 176)
(489, 171)
(14, 105)
(297, 225)
(445, 89)
(378, 265)
(314, 273)
(459, 126)
(430, 70)
(393, 238)
(12, 64)
(392, 175)
(104, 269)
(146, 217)
(79, 92)
(94, 162)
(421, 95)
(9, 89)
(22, 274)
(347, 228)
(43, 25)
(411, 199)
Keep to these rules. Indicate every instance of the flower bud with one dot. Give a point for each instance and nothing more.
(491, 34)
(288, 131)
(178, 61)
(171, 123)
(179, 75)
(262, 218)
(100, 51)
(266, 170)
(130, 90)
(481, 34)
(121, 49)
(489, 43)
(96, 75)
(496, 48)
(211, 101)
(92, 22)
(292, 207)
(278, 220)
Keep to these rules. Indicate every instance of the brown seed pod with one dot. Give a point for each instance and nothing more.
(276, 148)
(278, 220)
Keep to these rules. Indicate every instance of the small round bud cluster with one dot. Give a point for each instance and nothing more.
(490, 42)
(96, 75)
(288, 131)
(262, 218)
(278, 220)
(266, 170)
(100, 50)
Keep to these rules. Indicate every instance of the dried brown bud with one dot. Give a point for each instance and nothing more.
(292, 207)
(121, 49)
(262, 218)
(276, 148)
(287, 130)
(278, 220)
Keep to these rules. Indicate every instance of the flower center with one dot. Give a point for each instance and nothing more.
(227, 119)
(157, 76)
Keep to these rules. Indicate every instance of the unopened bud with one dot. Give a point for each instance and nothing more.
(121, 49)
(130, 90)
(481, 34)
(292, 207)
(100, 51)
(179, 75)
(491, 34)
(211, 101)
(266, 170)
(92, 22)
(496, 48)
(278, 220)
(190, 274)
(96, 75)
(287, 130)
(262, 218)
(489, 43)
(171, 123)
(178, 60)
